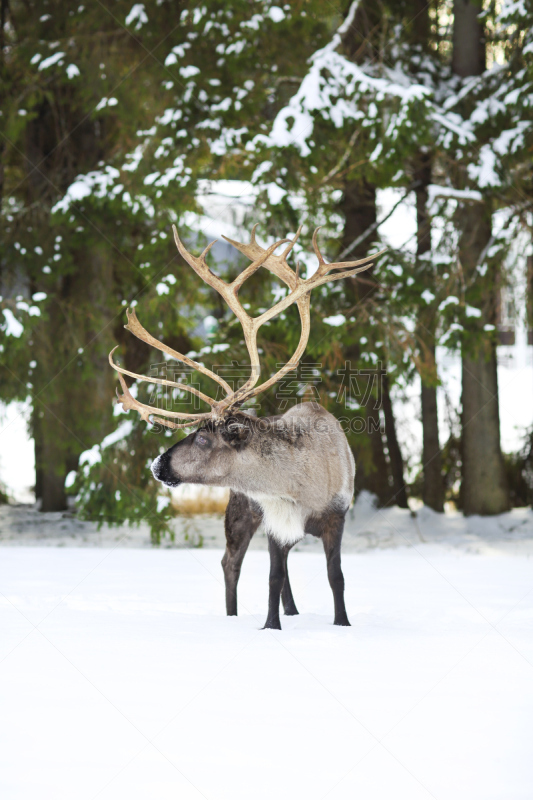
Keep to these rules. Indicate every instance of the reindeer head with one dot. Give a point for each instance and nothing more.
(299, 292)
(214, 454)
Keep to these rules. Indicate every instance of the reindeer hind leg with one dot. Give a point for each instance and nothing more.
(332, 525)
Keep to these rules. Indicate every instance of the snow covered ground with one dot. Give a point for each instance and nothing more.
(121, 677)
(367, 527)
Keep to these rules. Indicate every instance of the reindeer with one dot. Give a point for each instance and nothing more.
(293, 472)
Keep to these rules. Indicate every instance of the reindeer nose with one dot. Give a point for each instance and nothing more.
(162, 471)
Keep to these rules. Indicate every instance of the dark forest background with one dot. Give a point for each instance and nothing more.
(115, 117)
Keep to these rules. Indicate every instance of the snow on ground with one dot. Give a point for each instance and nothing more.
(367, 527)
(121, 677)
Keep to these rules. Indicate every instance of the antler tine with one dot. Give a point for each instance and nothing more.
(252, 268)
(198, 263)
(241, 245)
(291, 244)
(324, 267)
(226, 290)
(304, 307)
(130, 403)
(135, 327)
(351, 264)
(230, 294)
(176, 425)
(160, 381)
(349, 273)
(279, 266)
(126, 405)
(311, 283)
(205, 251)
(321, 261)
(275, 264)
(300, 294)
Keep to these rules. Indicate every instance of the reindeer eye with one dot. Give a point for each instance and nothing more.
(201, 440)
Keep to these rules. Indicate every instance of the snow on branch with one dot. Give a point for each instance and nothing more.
(435, 191)
(334, 87)
(98, 183)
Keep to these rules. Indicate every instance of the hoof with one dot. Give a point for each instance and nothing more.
(293, 612)
(276, 626)
(344, 622)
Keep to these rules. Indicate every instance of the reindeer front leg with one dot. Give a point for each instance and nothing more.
(241, 522)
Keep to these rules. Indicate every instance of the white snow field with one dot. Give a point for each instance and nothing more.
(121, 676)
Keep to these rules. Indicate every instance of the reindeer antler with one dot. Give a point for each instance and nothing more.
(299, 293)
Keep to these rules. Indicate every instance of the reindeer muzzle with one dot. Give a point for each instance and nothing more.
(162, 471)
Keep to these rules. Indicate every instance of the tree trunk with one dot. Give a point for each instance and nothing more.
(72, 381)
(485, 488)
(38, 450)
(433, 483)
(358, 205)
(433, 486)
(50, 406)
(468, 38)
(395, 455)
(53, 461)
(74, 390)
(372, 472)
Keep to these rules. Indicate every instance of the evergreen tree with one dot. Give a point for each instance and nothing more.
(105, 171)
(116, 123)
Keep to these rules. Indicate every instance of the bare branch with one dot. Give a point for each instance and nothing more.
(344, 158)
